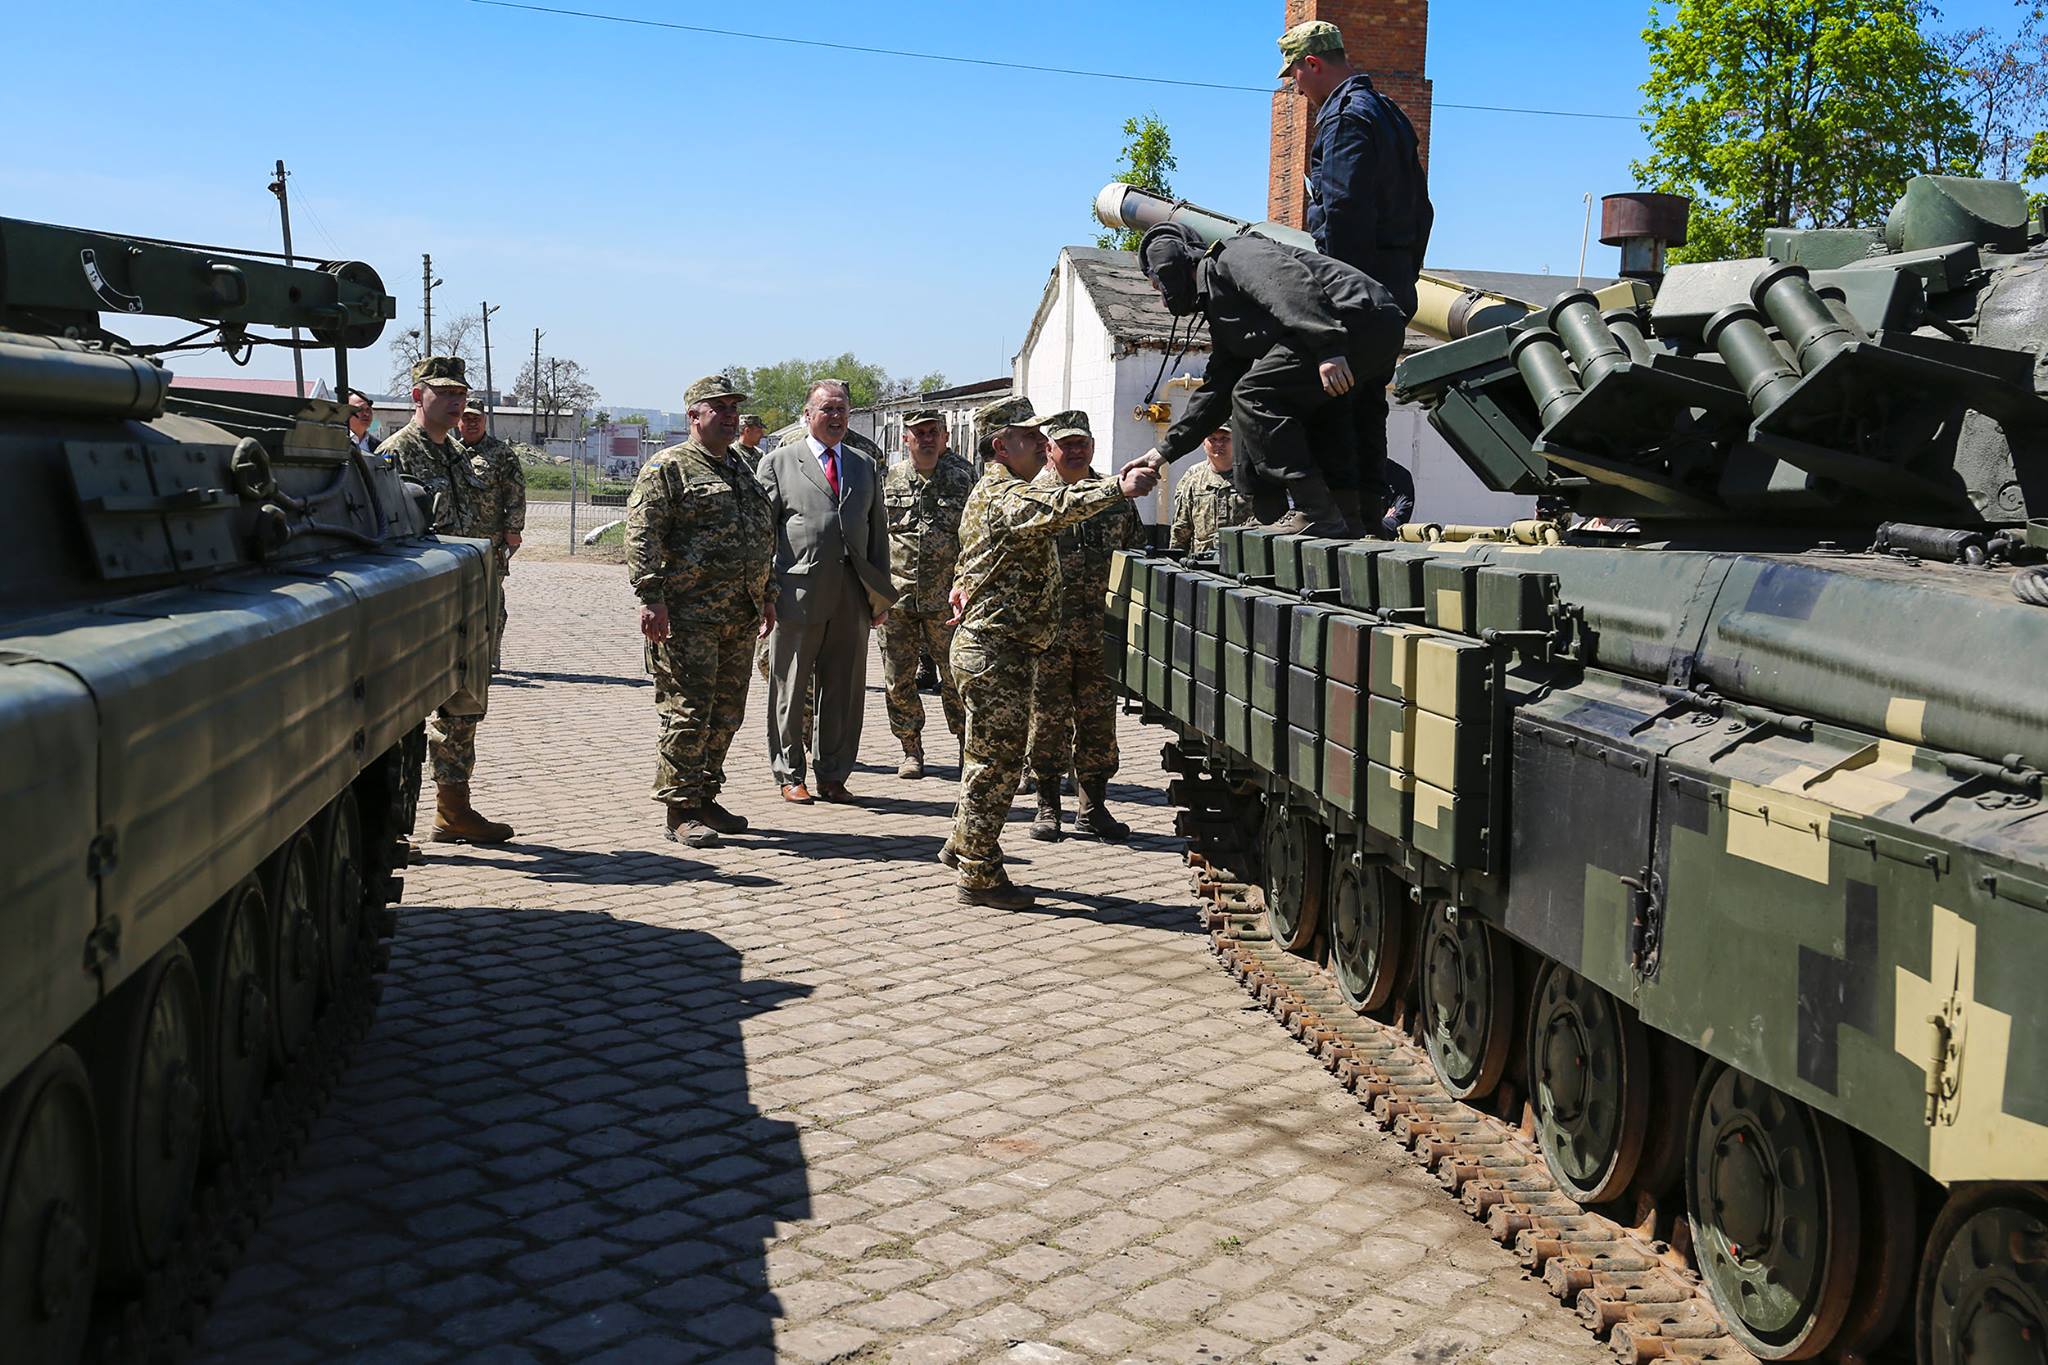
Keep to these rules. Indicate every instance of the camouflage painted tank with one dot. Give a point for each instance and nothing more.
(220, 630)
(1701, 822)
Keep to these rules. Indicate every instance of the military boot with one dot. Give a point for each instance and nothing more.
(1046, 825)
(912, 766)
(1315, 511)
(1005, 895)
(457, 822)
(720, 819)
(1093, 816)
(686, 825)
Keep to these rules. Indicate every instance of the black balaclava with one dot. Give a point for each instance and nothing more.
(1168, 255)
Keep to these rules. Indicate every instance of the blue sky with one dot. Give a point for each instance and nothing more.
(663, 203)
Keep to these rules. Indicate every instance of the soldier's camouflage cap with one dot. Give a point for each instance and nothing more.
(475, 404)
(993, 417)
(919, 416)
(751, 419)
(1314, 37)
(440, 372)
(1072, 422)
(709, 387)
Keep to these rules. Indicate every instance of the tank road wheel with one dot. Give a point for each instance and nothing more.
(152, 1104)
(1983, 1293)
(1589, 1084)
(1771, 1189)
(231, 947)
(341, 887)
(1468, 993)
(297, 951)
(49, 1209)
(1294, 856)
(1368, 932)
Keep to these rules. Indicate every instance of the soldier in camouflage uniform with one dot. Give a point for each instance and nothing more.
(1205, 500)
(1073, 709)
(699, 538)
(924, 494)
(426, 451)
(505, 481)
(1005, 604)
(752, 429)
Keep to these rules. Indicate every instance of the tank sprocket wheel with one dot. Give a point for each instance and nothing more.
(1468, 993)
(1589, 1084)
(1369, 930)
(298, 952)
(49, 1208)
(1772, 1192)
(152, 1110)
(231, 947)
(1294, 855)
(1983, 1292)
(340, 847)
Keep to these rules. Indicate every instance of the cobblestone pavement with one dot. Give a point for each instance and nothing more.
(785, 1100)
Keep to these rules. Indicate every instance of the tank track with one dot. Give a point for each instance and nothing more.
(1634, 1291)
(162, 1319)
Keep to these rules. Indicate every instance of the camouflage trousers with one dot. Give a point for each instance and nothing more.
(995, 692)
(903, 637)
(700, 694)
(1073, 709)
(451, 744)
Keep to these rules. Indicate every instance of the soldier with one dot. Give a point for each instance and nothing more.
(752, 429)
(505, 481)
(1073, 710)
(1005, 602)
(924, 494)
(699, 538)
(426, 451)
(1205, 501)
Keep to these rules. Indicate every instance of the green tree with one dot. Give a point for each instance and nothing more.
(777, 391)
(1147, 157)
(1792, 113)
(2035, 167)
(2002, 80)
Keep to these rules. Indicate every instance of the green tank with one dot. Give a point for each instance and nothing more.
(221, 627)
(1697, 827)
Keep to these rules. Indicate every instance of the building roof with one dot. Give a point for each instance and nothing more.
(275, 388)
(947, 395)
(1129, 306)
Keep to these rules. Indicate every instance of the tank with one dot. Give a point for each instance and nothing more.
(1690, 840)
(220, 630)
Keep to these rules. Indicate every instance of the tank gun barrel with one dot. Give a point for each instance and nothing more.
(1445, 308)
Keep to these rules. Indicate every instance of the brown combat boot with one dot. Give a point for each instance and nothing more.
(912, 766)
(686, 825)
(1047, 824)
(1005, 895)
(1093, 815)
(457, 822)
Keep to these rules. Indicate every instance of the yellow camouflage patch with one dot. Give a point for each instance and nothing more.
(1431, 804)
(1778, 830)
(1906, 718)
(1450, 609)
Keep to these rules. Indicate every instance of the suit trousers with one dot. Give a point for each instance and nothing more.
(833, 652)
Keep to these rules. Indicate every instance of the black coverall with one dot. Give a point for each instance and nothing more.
(1275, 314)
(1368, 206)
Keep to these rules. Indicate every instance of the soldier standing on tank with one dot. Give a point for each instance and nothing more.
(1005, 602)
(426, 451)
(505, 481)
(1073, 710)
(1368, 206)
(699, 539)
(1205, 501)
(924, 495)
(752, 429)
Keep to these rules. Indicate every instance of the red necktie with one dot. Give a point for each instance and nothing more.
(831, 459)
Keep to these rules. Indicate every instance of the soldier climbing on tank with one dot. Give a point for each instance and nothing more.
(1289, 332)
(1368, 206)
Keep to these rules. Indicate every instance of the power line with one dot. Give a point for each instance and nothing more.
(912, 55)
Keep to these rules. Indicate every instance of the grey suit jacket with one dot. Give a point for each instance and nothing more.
(819, 540)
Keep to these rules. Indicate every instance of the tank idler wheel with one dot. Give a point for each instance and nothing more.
(1772, 1191)
(49, 1208)
(298, 956)
(1294, 858)
(153, 1108)
(1368, 932)
(341, 887)
(1983, 1292)
(1468, 994)
(231, 947)
(1589, 1084)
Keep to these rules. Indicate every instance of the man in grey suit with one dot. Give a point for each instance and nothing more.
(832, 568)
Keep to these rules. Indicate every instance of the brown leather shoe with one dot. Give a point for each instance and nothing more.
(796, 793)
(835, 792)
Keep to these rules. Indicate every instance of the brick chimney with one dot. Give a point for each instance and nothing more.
(1386, 39)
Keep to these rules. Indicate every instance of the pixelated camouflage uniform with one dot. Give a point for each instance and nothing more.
(1073, 708)
(699, 537)
(924, 545)
(1204, 502)
(461, 503)
(1009, 571)
(505, 484)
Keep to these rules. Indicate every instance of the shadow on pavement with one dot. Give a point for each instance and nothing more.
(546, 1149)
(520, 677)
(583, 867)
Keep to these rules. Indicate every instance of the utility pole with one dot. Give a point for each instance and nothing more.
(490, 395)
(533, 397)
(427, 286)
(284, 213)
